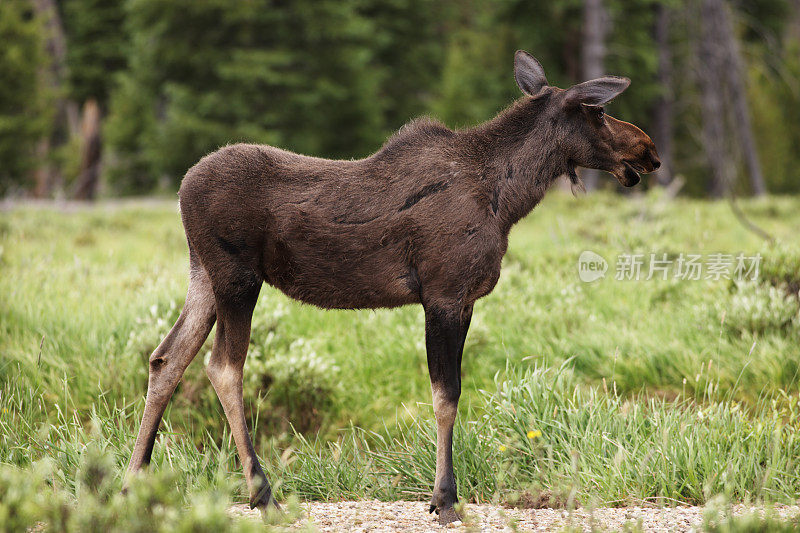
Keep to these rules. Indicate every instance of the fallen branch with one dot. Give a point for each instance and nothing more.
(747, 223)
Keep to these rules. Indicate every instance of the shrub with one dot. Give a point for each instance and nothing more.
(302, 387)
(780, 267)
(151, 328)
(30, 499)
(758, 308)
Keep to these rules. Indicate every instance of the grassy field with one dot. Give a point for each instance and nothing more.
(601, 393)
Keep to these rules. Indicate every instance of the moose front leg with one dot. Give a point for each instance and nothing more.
(445, 330)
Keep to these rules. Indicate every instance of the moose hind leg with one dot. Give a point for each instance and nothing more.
(169, 361)
(225, 370)
(444, 333)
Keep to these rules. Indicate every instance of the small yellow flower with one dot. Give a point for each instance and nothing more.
(502, 448)
(534, 434)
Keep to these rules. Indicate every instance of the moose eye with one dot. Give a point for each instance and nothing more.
(599, 114)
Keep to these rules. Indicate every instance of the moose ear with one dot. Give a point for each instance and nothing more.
(596, 92)
(528, 73)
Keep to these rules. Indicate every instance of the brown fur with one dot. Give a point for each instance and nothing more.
(425, 220)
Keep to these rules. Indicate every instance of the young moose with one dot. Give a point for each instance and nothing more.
(425, 220)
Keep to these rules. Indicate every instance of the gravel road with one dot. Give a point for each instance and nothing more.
(413, 517)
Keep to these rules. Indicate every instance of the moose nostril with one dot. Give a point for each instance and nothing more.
(656, 162)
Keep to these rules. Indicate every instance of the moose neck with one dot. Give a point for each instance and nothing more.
(520, 151)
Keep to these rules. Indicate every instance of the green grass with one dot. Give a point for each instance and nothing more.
(588, 445)
(665, 391)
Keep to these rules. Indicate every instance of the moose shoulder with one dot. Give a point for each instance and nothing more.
(424, 220)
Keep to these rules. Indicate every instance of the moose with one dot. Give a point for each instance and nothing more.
(424, 220)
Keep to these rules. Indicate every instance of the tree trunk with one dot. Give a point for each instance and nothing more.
(793, 28)
(735, 76)
(711, 54)
(89, 173)
(595, 27)
(663, 112)
(46, 176)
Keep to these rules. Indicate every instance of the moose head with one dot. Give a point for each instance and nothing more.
(588, 136)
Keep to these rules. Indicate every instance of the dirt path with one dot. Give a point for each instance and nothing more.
(413, 517)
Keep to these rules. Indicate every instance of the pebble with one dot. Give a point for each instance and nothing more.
(371, 515)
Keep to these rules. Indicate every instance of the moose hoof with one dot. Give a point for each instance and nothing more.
(263, 500)
(445, 510)
(448, 516)
(442, 502)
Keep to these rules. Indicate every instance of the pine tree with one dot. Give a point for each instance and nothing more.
(25, 110)
(96, 49)
(205, 74)
(476, 77)
(409, 56)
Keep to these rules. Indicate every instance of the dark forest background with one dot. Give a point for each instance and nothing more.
(104, 97)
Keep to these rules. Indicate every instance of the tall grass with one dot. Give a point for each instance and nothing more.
(539, 430)
(542, 431)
